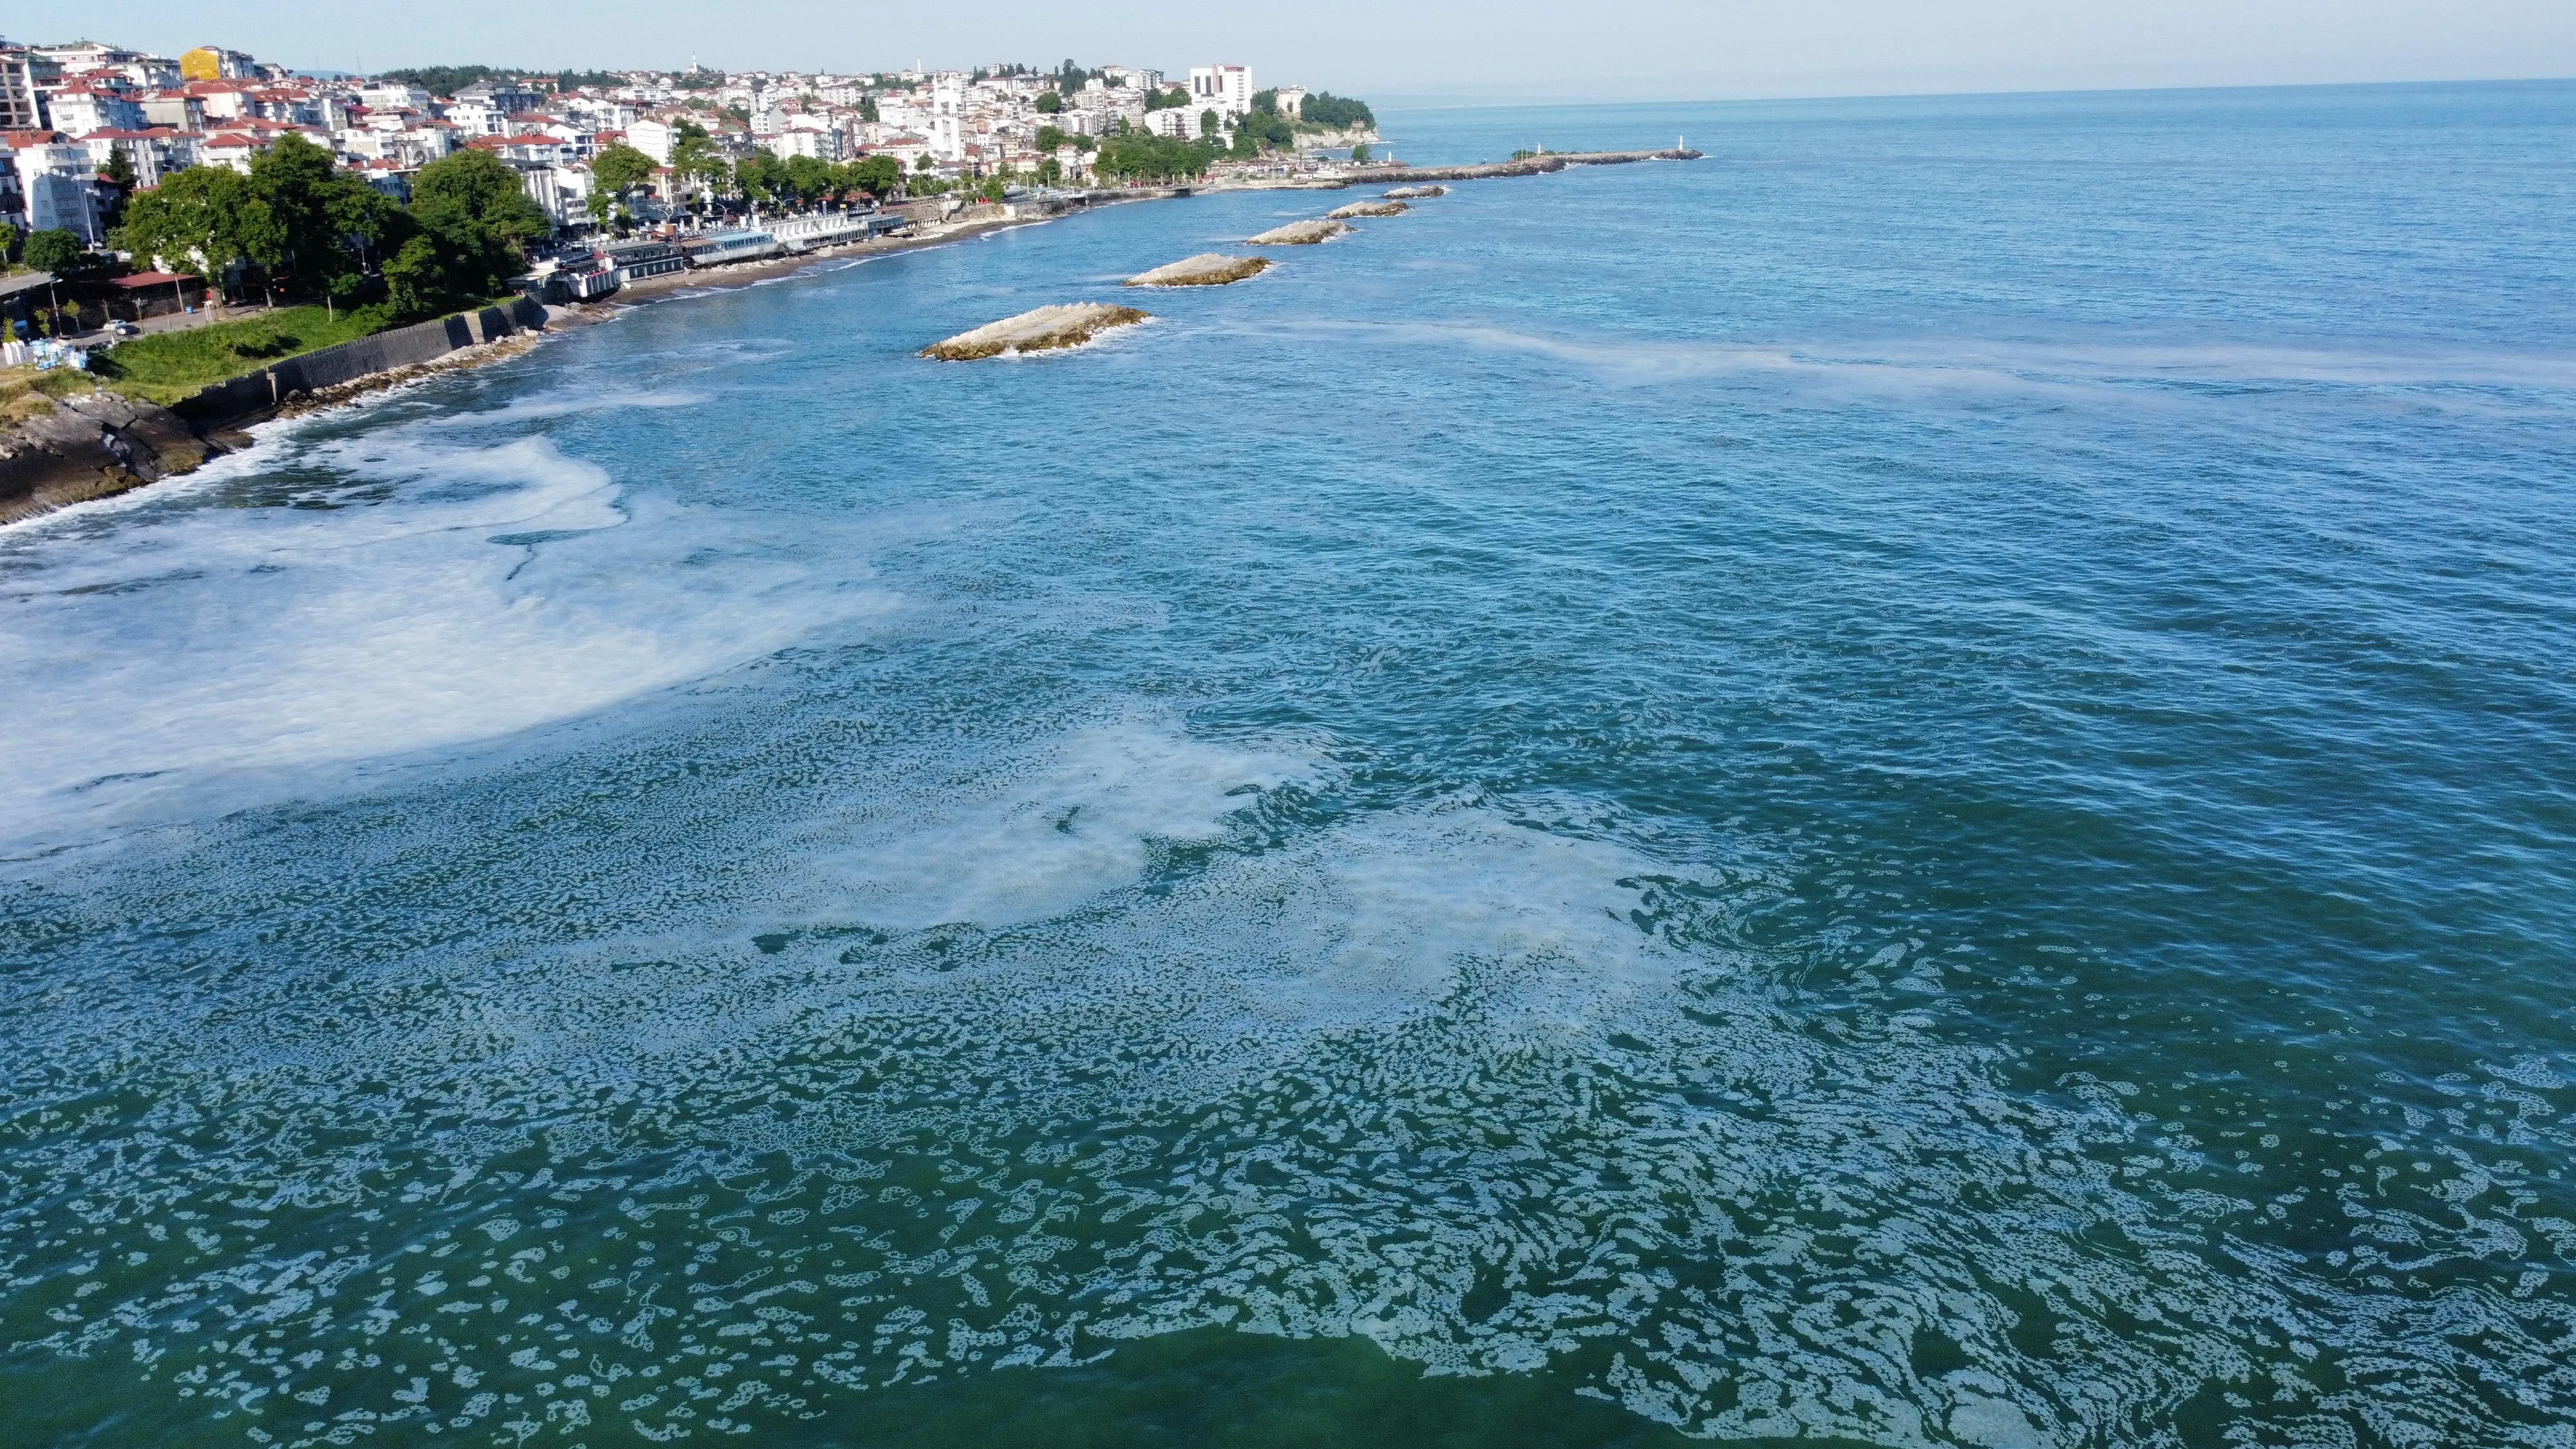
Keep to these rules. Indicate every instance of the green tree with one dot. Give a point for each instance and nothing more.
(620, 169)
(1169, 100)
(478, 221)
(1210, 123)
(416, 280)
(808, 178)
(695, 159)
(1360, 153)
(54, 250)
(119, 167)
(195, 221)
(1050, 104)
(877, 175)
(868, 108)
(1050, 171)
(1049, 138)
(1333, 112)
(314, 223)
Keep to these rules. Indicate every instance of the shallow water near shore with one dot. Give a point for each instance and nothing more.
(1909, 786)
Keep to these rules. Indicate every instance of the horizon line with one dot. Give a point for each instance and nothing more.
(1422, 102)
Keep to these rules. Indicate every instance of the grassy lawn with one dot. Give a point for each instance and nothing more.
(25, 393)
(168, 366)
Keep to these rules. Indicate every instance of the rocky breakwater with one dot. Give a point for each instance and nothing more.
(1416, 193)
(57, 450)
(1208, 269)
(1301, 233)
(1525, 166)
(1367, 208)
(1040, 329)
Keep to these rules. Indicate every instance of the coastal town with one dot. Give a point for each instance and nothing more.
(114, 222)
(196, 245)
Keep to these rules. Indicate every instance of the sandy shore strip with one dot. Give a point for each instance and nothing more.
(1040, 329)
(1208, 269)
(1301, 233)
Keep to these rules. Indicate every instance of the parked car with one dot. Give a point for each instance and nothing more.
(123, 329)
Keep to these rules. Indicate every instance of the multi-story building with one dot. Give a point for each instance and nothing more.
(26, 77)
(154, 152)
(1224, 89)
(175, 109)
(79, 108)
(57, 185)
(502, 97)
(1292, 101)
(209, 63)
(393, 96)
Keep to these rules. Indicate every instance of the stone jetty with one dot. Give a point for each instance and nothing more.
(1208, 269)
(1368, 208)
(1301, 233)
(1065, 325)
(1526, 166)
(1416, 193)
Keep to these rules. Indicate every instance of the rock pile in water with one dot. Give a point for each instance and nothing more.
(1369, 208)
(1300, 234)
(1065, 325)
(1208, 269)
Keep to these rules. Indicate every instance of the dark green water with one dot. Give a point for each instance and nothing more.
(1911, 786)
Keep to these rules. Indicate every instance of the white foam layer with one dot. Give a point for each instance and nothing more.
(1038, 837)
(466, 593)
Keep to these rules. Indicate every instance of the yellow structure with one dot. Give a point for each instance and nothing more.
(213, 63)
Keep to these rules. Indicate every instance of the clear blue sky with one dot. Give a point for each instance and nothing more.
(1489, 50)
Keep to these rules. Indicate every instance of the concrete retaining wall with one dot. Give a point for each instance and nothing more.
(255, 393)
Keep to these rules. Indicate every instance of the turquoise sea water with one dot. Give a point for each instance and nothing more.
(1909, 786)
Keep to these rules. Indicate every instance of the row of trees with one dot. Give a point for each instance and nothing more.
(761, 177)
(314, 230)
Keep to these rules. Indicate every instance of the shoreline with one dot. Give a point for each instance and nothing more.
(173, 447)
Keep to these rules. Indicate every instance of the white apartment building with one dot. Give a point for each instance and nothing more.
(654, 139)
(55, 188)
(80, 109)
(153, 153)
(393, 96)
(798, 141)
(1292, 101)
(1224, 89)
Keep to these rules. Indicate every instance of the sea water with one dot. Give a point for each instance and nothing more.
(1912, 785)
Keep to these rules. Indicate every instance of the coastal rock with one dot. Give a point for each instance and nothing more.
(90, 445)
(1416, 193)
(1300, 233)
(1037, 330)
(1208, 269)
(1368, 208)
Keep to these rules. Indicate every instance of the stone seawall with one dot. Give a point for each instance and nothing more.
(252, 394)
(100, 444)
